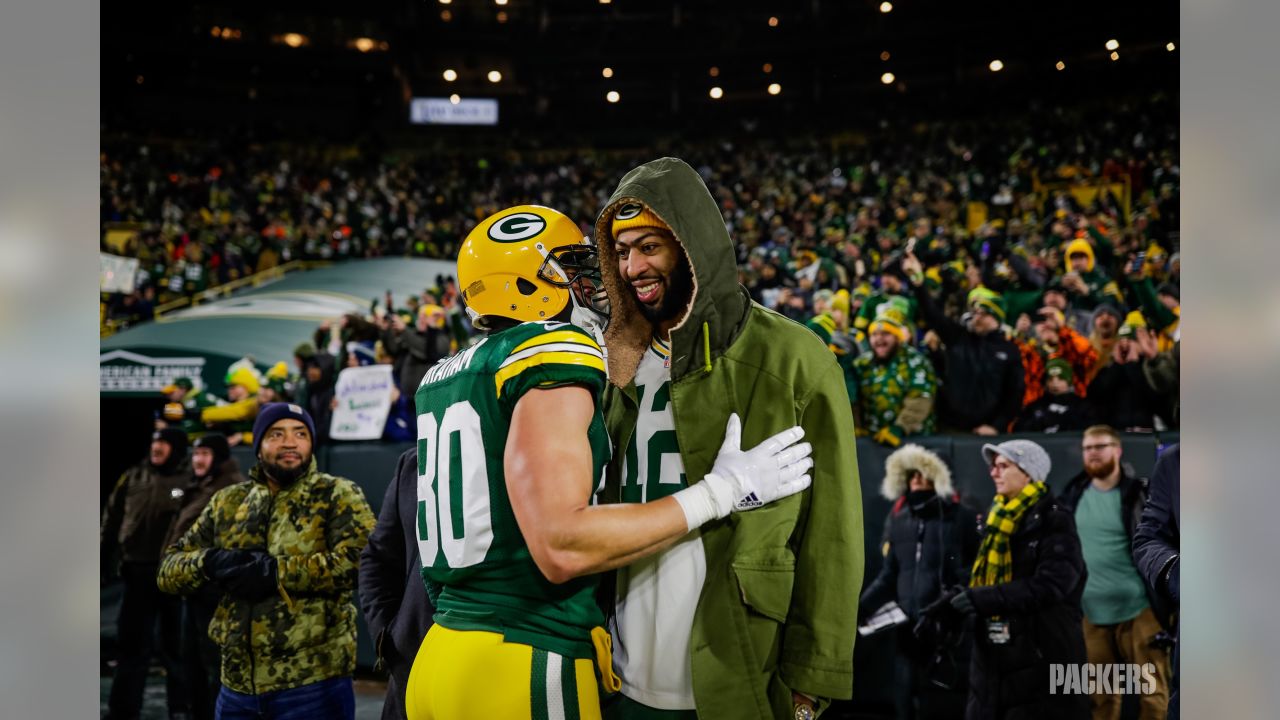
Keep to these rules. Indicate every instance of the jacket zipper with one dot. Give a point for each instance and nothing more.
(915, 569)
(266, 535)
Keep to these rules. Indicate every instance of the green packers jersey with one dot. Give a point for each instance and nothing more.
(470, 544)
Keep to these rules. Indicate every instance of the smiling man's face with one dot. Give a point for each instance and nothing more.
(652, 263)
(285, 451)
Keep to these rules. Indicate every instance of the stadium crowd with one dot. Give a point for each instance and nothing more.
(984, 277)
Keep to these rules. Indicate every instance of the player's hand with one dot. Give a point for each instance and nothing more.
(747, 479)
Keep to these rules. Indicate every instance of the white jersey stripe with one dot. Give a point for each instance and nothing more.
(552, 347)
(555, 693)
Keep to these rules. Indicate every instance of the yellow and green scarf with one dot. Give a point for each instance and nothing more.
(994, 565)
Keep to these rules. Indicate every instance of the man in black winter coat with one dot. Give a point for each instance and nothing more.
(135, 523)
(982, 377)
(1024, 594)
(930, 541)
(393, 595)
(1156, 542)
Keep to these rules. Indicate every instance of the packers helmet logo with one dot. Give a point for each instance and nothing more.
(628, 211)
(517, 227)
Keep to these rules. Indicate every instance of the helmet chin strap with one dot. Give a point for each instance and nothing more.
(588, 319)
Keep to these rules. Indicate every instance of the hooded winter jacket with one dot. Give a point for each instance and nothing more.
(777, 611)
(315, 529)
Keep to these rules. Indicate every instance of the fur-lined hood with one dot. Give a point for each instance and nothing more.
(907, 459)
(672, 190)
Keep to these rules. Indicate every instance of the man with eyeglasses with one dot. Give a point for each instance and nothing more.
(1107, 500)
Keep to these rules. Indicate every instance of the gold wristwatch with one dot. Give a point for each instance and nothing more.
(803, 712)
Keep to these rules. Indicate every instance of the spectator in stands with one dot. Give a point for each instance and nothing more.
(183, 403)
(138, 514)
(895, 383)
(1106, 322)
(1025, 592)
(416, 348)
(1052, 339)
(1156, 548)
(316, 385)
(212, 469)
(284, 550)
(892, 289)
(1057, 297)
(1119, 624)
(929, 543)
(982, 392)
(392, 593)
(1059, 409)
(1087, 283)
(235, 417)
(1119, 392)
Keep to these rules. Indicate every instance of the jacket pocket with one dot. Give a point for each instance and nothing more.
(764, 585)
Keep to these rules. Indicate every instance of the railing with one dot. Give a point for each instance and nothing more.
(107, 328)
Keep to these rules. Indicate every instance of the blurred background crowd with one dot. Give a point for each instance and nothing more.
(1060, 224)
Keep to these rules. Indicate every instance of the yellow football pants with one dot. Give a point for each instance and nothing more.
(476, 675)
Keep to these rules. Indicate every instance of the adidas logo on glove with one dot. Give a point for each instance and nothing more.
(749, 502)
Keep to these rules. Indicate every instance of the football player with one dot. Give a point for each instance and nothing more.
(511, 446)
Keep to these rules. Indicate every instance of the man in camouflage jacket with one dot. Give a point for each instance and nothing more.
(284, 548)
(895, 383)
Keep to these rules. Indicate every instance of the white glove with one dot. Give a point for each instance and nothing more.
(747, 479)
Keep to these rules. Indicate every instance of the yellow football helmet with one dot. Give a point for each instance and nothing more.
(520, 263)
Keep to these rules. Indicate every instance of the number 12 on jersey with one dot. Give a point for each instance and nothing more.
(453, 488)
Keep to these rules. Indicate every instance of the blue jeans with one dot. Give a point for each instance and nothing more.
(332, 699)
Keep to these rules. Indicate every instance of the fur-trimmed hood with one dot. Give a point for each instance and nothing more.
(907, 459)
(672, 190)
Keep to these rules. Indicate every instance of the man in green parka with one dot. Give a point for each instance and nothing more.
(754, 616)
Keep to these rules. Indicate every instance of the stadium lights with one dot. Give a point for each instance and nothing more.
(363, 44)
(226, 33)
(1170, 47)
(450, 75)
(446, 15)
(885, 56)
(613, 96)
(1061, 65)
(502, 17)
(886, 7)
(294, 40)
(499, 2)
(1115, 56)
(768, 68)
(495, 76)
(775, 88)
(607, 72)
(140, 79)
(605, 2)
(773, 22)
(455, 99)
(996, 66)
(716, 93)
(887, 78)
(1113, 44)
(714, 71)
(445, 2)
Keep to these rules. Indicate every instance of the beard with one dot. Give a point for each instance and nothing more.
(284, 476)
(1100, 469)
(675, 301)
